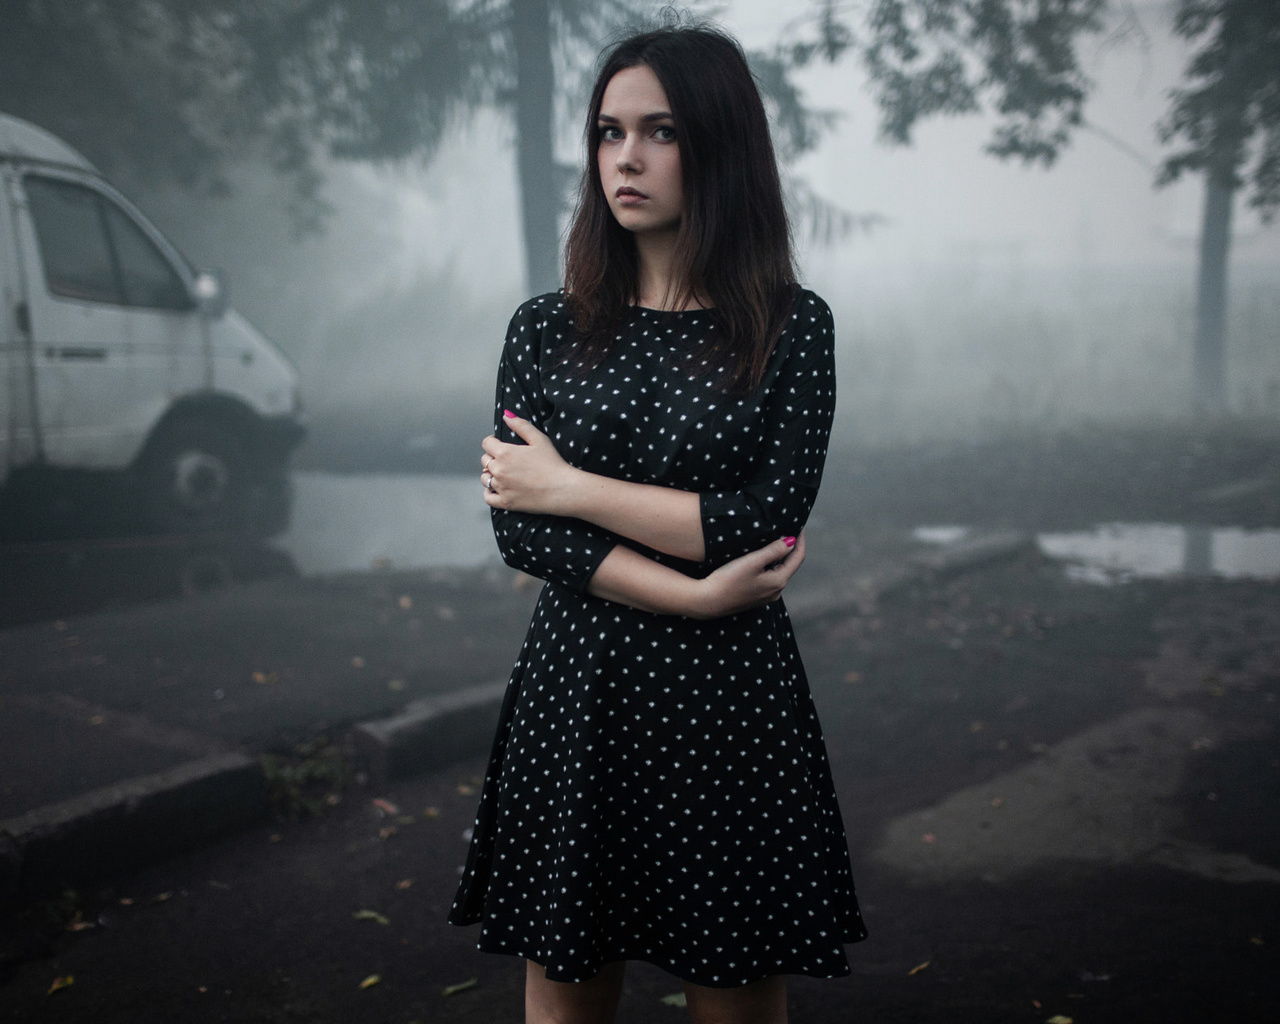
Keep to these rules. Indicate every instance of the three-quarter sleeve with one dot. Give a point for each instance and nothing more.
(775, 499)
(557, 549)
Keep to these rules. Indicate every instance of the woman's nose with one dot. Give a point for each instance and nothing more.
(628, 157)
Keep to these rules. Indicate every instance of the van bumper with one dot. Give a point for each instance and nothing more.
(278, 436)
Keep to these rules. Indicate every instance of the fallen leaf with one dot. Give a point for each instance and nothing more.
(445, 612)
(405, 819)
(60, 983)
(357, 662)
(96, 720)
(462, 986)
(370, 981)
(996, 801)
(163, 897)
(1256, 940)
(266, 678)
(406, 602)
(431, 812)
(466, 790)
(976, 726)
(918, 968)
(388, 832)
(675, 999)
(395, 685)
(385, 806)
(126, 901)
(370, 915)
(275, 837)
(929, 837)
(80, 926)
(1036, 1003)
(1059, 1018)
(853, 677)
(404, 883)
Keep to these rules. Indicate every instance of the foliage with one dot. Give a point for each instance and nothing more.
(1228, 115)
(307, 780)
(929, 57)
(158, 91)
(1018, 59)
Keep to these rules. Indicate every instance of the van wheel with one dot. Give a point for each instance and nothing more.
(194, 478)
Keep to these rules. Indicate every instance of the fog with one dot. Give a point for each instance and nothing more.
(990, 294)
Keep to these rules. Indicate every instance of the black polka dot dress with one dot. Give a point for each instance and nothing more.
(659, 789)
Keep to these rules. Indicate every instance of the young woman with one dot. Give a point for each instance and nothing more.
(659, 789)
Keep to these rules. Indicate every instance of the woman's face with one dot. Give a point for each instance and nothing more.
(639, 157)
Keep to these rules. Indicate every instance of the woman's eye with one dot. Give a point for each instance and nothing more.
(608, 133)
(665, 133)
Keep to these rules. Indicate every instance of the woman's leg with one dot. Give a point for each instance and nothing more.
(761, 1002)
(583, 1002)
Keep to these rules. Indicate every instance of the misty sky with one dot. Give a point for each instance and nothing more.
(943, 197)
(992, 292)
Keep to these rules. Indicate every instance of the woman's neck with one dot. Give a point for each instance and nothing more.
(656, 284)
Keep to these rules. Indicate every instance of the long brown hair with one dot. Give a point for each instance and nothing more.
(733, 247)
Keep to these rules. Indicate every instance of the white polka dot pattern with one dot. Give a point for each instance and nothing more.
(659, 789)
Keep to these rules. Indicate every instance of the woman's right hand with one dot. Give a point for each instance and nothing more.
(750, 581)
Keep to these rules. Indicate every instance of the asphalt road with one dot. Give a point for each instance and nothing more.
(1060, 797)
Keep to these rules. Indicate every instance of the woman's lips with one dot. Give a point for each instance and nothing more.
(629, 196)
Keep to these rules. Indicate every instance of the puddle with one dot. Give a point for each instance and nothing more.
(940, 534)
(1120, 551)
(1117, 552)
(357, 522)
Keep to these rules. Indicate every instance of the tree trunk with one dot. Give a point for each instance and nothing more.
(539, 201)
(1209, 352)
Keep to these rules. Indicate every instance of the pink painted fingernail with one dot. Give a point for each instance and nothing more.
(508, 414)
(789, 541)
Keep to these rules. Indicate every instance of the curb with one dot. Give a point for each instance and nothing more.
(143, 820)
(429, 734)
(123, 826)
(861, 593)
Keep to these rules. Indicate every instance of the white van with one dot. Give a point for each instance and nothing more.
(117, 356)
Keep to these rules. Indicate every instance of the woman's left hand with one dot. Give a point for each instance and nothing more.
(529, 477)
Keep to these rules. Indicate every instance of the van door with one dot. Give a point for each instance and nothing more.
(10, 310)
(114, 325)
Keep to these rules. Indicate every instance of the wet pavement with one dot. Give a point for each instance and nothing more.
(1060, 800)
(1060, 795)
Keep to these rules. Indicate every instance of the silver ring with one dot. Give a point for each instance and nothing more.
(488, 484)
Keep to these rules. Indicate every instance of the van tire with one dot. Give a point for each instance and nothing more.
(194, 478)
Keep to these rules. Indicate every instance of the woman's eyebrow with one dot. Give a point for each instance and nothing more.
(658, 115)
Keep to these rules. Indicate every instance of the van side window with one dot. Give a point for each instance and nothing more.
(78, 262)
(93, 251)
